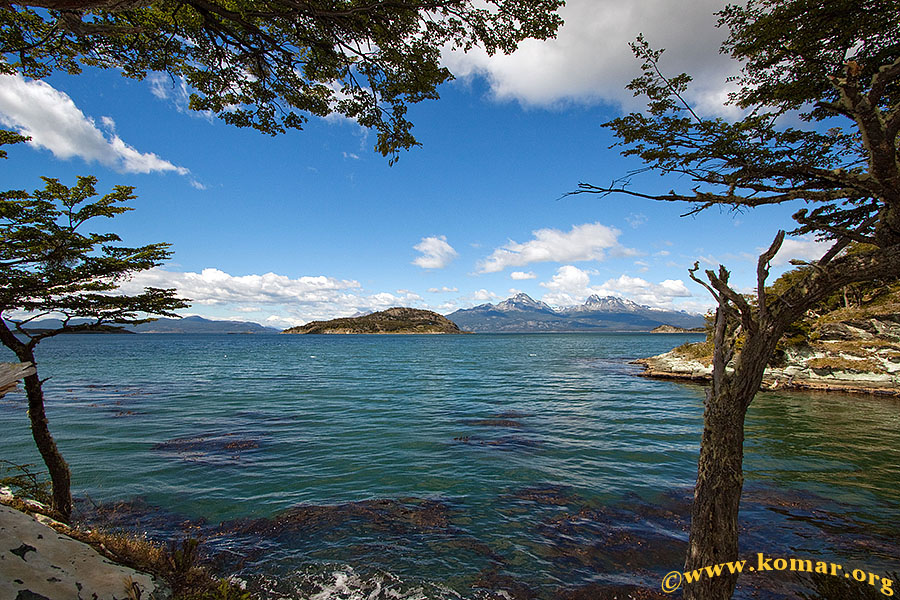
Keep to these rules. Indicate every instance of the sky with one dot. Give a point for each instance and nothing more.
(315, 224)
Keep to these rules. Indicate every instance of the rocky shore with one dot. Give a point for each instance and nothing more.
(860, 356)
(38, 561)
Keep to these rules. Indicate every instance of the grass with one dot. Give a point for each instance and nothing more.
(884, 307)
(701, 351)
(861, 348)
(864, 365)
(178, 564)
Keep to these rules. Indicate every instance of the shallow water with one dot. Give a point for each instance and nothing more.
(446, 466)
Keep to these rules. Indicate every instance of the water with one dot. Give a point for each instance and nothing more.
(478, 466)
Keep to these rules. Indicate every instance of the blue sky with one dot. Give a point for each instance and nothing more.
(315, 224)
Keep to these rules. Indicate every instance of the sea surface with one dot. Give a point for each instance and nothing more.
(438, 467)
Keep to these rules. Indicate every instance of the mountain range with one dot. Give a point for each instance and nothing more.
(167, 325)
(522, 314)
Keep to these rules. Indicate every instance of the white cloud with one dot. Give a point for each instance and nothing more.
(636, 219)
(483, 295)
(270, 298)
(571, 285)
(54, 122)
(442, 290)
(590, 60)
(582, 242)
(644, 292)
(802, 248)
(212, 286)
(436, 253)
(519, 275)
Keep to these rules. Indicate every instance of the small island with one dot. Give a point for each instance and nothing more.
(673, 329)
(399, 320)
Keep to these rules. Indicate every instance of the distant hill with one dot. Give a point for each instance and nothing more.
(522, 314)
(200, 325)
(167, 325)
(392, 320)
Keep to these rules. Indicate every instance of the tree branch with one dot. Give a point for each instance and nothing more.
(762, 273)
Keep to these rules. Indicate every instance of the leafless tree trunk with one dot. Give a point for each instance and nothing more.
(737, 376)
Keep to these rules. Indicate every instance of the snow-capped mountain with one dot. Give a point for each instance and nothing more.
(605, 304)
(521, 302)
(521, 313)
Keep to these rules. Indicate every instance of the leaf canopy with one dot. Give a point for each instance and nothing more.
(48, 265)
(270, 64)
(833, 64)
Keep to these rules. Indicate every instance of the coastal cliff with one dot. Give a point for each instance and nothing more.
(392, 320)
(858, 355)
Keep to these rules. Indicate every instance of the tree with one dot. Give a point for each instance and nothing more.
(835, 67)
(268, 64)
(48, 267)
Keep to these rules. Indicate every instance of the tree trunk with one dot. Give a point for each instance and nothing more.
(60, 478)
(717, 495)
(720, 471)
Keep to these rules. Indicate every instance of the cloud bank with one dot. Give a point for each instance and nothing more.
(571, 286)
(274, 299)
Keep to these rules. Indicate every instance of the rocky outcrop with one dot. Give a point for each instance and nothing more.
(671, 329)
(38, 562)
(392, 320)
(858, 356)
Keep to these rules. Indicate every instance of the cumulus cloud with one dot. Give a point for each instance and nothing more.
(436, 253)
(271, 298)
(54, 122)
(518, 275)
(583, 242)
(571, 285)
(483, 295)
(801, 248)
(442, 290)
(212, 286)
(590, 60)
(645, 292)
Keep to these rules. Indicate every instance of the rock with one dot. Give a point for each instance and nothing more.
(38, 562)
(856, 356)
(11, 373)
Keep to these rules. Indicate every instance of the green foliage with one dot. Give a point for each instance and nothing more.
(844, 303)
(269, 64)
(836, 62)
(50, 267)
(24, 482)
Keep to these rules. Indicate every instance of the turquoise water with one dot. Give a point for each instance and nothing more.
(445, 466)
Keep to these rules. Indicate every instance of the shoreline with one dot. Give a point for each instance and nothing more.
(671, 367)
